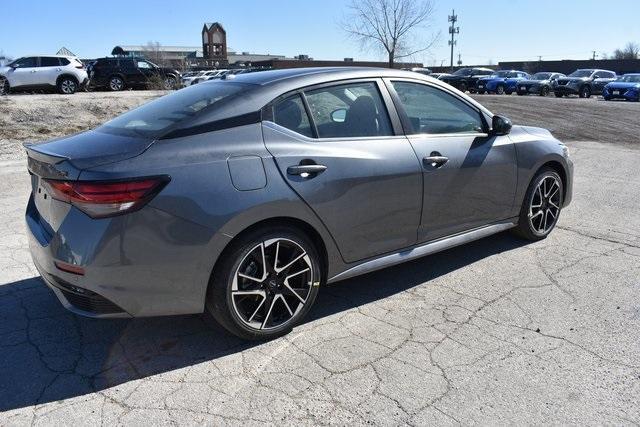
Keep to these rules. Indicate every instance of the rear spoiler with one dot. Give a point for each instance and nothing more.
(48, 165)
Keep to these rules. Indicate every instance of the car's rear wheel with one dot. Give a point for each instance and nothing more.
(500, 90)
(265, 284)
(463, 87)
(67, 86)
(542, 205)
(544, 91)
(558, 95)
(4, 86)
(116, 84)
(585, 92)
(481, 92)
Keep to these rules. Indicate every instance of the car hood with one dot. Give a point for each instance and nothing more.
(4, 70)
(534, 82)
(623, 85)
(89, 149)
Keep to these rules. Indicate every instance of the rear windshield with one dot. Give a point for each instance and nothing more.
(157, 117)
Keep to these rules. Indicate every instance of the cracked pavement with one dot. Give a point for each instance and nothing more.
(499, 331)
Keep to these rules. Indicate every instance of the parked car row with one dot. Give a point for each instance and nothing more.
(67, 74)
(583, 83)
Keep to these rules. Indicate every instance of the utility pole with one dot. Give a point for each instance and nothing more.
(453, 30)
(539, 57)
(594, 56)
(459, 59)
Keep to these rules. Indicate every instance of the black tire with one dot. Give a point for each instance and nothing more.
(5, 89)
(508, 92)
(521, 93)
(585, 92)
(67, 85)
(544, 91)
(242, 258)
(526, 228)
(170, 83)
(115, 84)
(481, 92)
(500, 90)
(463, 87)
(558, 95)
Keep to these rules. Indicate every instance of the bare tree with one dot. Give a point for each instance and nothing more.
(630, 51)
(391, 26)
(154, 53)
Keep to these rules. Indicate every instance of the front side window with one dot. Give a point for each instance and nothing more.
(433, 111)
(27, 62)
(349, 110)
(290, 113)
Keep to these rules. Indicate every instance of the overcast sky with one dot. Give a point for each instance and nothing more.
(490, 30)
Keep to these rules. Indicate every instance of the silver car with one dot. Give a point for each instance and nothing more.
(243, 197)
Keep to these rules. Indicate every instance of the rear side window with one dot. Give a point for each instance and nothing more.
(433, 111)
(65, 61)
(157, 117)
(48, 61)
(351, 110)
(291, 114)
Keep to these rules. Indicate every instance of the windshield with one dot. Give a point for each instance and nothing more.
(541, 76)
(463, 72)
(581, 73)
(157, 117)
(501, 74)
(629, 78)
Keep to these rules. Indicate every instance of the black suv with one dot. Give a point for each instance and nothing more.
(466, 78)
(119, 73)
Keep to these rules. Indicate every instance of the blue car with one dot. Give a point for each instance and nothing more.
(501, 82)
(624, 87)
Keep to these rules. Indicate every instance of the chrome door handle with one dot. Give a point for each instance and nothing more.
(436, 161)
(306, 170)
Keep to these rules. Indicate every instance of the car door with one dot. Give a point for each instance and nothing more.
(49, 70)
(343, 153)
(24, 72)
(469, 176)
(146, 71)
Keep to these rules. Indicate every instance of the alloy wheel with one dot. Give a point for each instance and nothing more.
(68, 86)
(116, 84)
(272, 284)
(545, 205)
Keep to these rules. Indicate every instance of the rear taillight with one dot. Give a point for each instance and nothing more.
(80, 67)
(107, 198)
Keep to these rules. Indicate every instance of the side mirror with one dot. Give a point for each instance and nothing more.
(500, 125)
(339, 115)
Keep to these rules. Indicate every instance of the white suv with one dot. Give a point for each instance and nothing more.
(64, 73)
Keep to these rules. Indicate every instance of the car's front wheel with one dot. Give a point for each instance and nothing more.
(265, 283)
(544, 91)
(558, 95)
(170, 83)
(463, 87)
(542, 205)
(500, 90)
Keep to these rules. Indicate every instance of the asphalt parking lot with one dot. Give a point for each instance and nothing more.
(500, 331)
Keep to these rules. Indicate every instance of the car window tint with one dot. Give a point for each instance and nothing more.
(434, 111)
(144, 64)
(155, 118)
(65, 61)
(351, 110)
(290, 113)
(47, 61)
(26, 62)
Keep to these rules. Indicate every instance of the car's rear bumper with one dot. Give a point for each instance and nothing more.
(147, 263)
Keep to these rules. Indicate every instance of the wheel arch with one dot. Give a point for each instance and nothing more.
(560, 169)
(69, 75)
(303, 226)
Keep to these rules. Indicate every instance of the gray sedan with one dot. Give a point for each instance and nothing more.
(244, 196)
